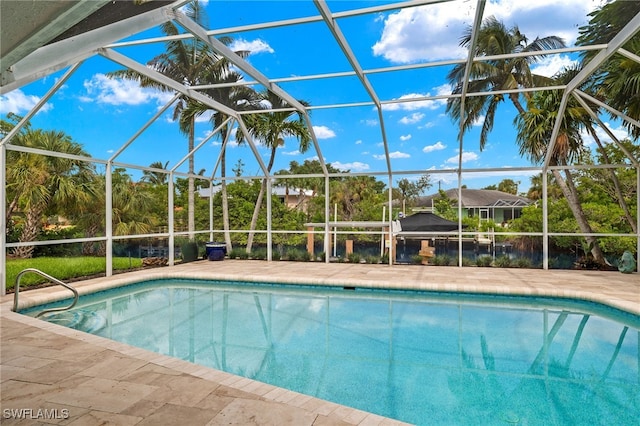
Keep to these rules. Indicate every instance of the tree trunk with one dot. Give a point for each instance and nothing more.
(30, 231)
(616, 182)
(89, 247)
(570, 193)
(12, 206)
(225, 200)
(192, 190)
(516, 103)
(256, 210)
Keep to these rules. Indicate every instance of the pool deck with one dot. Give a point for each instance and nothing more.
(81, 379)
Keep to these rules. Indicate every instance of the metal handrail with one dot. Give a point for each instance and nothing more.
(50, 278)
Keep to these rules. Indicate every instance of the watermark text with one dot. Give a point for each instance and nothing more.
(35, 414)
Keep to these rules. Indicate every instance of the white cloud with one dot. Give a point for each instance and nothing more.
(323, 132)
(253, 46)
(115, 91)
(466, 157)
(426, 32)
(427, 125)
(17, 102)
(395, 154)
(432, 32)
(544, 17)
(356, 166)
(407, 102)
(205, 116)
(619, 132)
(550, 65)
(438, 146)
(479, 121)
(412, 119)
(296, 152)
(398, 154)
(359, 142)
(405, 137)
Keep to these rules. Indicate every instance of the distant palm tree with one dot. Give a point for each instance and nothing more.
(494, 38)
(236, 96)
(155, 178)
(131, 204)
(270, 128)
(535, 190)
(184, 62)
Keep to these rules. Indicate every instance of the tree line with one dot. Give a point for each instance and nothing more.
(40, 186)
(615, 83)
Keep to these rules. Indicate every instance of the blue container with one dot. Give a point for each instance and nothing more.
(215, 251)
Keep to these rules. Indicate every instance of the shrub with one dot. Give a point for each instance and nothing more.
(483, 261)
(416, 259)
(354, 258)
(236, 253)
(443, 260)
(295, 254)
(373, 259)
(503, 262)
(523, 262)
(260, 254)
(304, 256)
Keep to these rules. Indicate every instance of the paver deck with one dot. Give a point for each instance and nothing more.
(54, 375)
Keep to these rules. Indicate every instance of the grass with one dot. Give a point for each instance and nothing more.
(63, 268)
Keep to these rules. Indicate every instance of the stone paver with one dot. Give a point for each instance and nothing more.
(72, 378)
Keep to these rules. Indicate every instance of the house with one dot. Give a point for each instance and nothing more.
(483, 203)
(294, 198)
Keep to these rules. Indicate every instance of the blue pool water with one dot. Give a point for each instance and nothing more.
(423, 358)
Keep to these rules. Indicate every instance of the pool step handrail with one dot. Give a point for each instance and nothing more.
(50, 278)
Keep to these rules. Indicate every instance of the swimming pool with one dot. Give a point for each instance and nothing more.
(420, 357)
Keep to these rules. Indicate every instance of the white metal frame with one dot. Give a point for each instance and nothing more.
(103, 41)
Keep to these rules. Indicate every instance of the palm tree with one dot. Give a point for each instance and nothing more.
(271, 128)
(618, 80)
(131, 204)
(183, 61)
(494, 38)
(155, 178)
(583, 119)
(237, 97)
(535, 127)
(40, 184)
(535, 190)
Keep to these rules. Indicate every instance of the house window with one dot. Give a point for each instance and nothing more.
(508, 214)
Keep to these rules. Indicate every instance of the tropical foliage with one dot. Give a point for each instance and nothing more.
(69, 188)
(616, 83)
(495, 38)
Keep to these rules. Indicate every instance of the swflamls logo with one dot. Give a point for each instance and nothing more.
(37, 414)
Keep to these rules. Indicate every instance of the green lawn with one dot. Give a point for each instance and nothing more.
(63, 268)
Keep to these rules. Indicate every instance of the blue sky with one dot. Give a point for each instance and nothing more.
(102, 113)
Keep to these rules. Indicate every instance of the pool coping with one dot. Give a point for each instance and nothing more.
(621, 291)
(596, 286)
